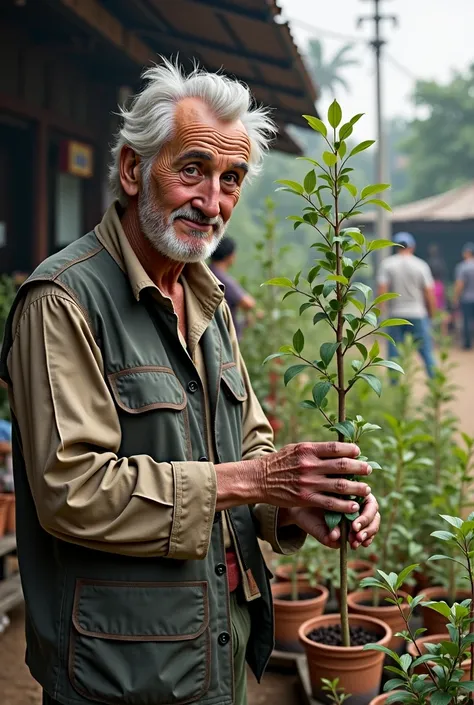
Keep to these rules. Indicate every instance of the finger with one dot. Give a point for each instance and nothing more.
(366, 534)
(345, 466)
(367, 543)
(335, 449)
(342, 486)
(328, 503)
(369, 510)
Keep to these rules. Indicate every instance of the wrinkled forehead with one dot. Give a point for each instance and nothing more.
(196, 127)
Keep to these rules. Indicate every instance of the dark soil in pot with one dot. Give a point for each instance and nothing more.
(332, 636)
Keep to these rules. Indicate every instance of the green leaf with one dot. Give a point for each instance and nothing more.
(373, 382)
(454, 521)
(385, 297)
(328, 288)
(320, 316)
(363, 350)
(332, 519)
(361, 147)
(305, 306)
(316, 124)
(353, 516)
(352, 189)
(272, 357)
(338, 278)
(374, 351)
(390, 364)
(443, 535)
(405, 662)
(373, 188)
(329, 158)
(440, 607)
(345, 131)
(327, 351)
(308, 404)
(320, 391)
(365, 290)
(378, 202)
(440, 698)
(313, 273)
(292, 372)
(379, 245)
(279, 281)
(298, 341)
(393, 683)
(379, 647)
(294, 185)
(310, 181)
(341, 150)
(289, 293)
(404, 574)
(345, 428)
(334, 114)
(356, 118)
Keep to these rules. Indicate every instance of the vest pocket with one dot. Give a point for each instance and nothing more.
(233, 383)
(140, 389)
(140, 643)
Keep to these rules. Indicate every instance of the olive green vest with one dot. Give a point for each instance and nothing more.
(112, 629)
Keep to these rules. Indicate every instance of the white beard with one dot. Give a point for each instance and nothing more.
(160, 231)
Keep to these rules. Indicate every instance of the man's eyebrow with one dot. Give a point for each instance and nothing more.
(240, 165)
(195, 154)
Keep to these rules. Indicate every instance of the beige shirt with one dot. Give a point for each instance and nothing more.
(83, 491)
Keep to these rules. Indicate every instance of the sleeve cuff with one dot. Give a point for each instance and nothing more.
(284, 540)
(195, 493)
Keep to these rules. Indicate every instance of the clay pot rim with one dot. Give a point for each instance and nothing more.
(436, 592)
(328, 619)
(323, 593)
(428, 638)
(383, 697)
(371, 609)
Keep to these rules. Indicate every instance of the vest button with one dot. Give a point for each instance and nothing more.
(223, 638)
(193, 386)
(221, 569)
(203, 459)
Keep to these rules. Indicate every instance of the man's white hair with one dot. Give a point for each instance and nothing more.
(149, 122)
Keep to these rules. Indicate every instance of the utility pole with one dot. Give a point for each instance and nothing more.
(383, 224)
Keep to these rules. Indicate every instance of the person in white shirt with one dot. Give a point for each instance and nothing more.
(411, 278)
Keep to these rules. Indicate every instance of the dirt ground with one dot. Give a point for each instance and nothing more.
(18, 688)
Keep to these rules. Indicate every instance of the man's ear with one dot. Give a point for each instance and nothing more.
(129, 171)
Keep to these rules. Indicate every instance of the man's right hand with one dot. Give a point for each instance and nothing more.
(298, 475)
(305, 474)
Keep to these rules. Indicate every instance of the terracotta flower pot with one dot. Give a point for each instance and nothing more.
(434, 639)
(386, 612)
(11, 517)
(434, 622)
(359, 671)
(289, 614)
(4, 506)
(363, 568)
(283, 573)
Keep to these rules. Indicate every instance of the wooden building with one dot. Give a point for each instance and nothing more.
(64, 67)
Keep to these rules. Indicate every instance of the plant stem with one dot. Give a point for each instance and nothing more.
(341, 393)
(294, 579)
(471, 625)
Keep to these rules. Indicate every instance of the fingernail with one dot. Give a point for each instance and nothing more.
(368, 490)
(355, 545)
(364, 536)
(369, 470)
(357, 527)
(355, 508)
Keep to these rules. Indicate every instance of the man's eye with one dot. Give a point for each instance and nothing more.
(231, 178)
(191, 170)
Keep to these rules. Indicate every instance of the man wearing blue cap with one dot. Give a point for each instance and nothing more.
(464, 291)
(411, 278)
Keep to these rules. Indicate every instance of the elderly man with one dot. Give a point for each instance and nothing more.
(144, 466)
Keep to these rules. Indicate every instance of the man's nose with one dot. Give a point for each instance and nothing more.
(207, 199)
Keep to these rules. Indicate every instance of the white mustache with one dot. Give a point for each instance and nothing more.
(196, 216)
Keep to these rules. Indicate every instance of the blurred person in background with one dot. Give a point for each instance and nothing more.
(237, 298)
(439, 272)
(411, 278)
(464, 292)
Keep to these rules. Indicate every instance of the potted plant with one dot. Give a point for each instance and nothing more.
(434, 671)
(300, 597)
(344, 310)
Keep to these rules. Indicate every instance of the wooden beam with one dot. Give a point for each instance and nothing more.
(104, 23)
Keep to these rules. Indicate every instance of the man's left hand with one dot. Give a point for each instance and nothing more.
(363, 529)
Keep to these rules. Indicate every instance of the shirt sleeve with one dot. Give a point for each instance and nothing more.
(428, 280)
(83, 491)
(258, 440)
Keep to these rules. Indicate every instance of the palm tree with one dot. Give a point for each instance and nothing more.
(327, 74)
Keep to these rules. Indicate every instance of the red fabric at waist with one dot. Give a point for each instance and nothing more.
(233, 570)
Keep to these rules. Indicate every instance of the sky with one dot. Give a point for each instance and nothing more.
(433, 38)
